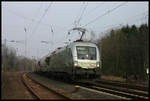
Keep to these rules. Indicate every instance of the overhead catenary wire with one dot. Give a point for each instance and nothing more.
(77, 17)
(129, 18)
(142, 18)
(109, 11)
(92, 10)
(135, 19)
(122, 24)
(46, 10)
(33, 20)
(75, 21)
(78, 21)
(37, 12)
(103, 14)
(27, 28)
(25, 18)
(19, 15)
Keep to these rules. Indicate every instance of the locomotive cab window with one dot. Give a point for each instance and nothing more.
(86, 52)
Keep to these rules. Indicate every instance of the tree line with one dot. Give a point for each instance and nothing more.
(12, 62)
(124, 52)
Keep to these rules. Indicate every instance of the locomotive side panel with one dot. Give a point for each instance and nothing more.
(61, 62)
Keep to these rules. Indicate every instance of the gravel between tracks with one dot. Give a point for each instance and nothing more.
(80, 93)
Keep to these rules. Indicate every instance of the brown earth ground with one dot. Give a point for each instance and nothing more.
(12, 87)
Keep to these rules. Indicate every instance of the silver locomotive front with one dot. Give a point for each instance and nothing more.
(86, 59)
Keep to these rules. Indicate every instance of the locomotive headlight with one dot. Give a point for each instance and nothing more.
(97, 64)
(75, 63)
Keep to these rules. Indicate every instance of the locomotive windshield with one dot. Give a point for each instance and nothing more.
(86, 52)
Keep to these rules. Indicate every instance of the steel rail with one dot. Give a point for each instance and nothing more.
(116, 91)
(29, 88)
(123, 84)
(57, 93)
(33, 92)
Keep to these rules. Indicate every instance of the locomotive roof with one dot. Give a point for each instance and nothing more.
(77, 43)
(84, 43)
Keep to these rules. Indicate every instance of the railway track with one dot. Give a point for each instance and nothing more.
(117, 88)
(40, 91)
(123, 84)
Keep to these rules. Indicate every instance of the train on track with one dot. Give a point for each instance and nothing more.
(76, 60)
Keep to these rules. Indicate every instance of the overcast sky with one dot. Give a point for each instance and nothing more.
(51, 21)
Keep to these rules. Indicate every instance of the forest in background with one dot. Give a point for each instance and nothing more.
(12, 62)
(124, 52)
